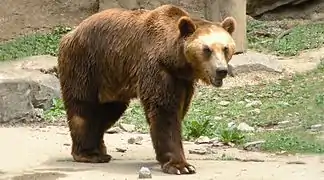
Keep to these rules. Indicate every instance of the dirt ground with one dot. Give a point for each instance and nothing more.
(44, 154)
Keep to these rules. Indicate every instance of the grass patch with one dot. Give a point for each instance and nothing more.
(56, 111)
(276, 37)
(262, 36)
(298, 101)
(34, 44)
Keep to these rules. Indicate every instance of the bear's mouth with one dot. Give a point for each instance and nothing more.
(217, 82)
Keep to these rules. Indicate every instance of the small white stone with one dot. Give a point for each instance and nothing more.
(127, 127)
(144, 173)
(114, 130)
(202, 140)
(245, 127)
(253, 104)
(224, 103)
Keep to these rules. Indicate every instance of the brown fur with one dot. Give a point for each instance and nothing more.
(117, 55)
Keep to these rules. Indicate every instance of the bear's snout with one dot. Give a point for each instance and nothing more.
(221, 72)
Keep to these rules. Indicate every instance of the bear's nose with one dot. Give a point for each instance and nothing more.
(221, 72)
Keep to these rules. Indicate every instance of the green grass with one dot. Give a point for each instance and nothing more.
(299, 101)
(263, 36)
(34, 44)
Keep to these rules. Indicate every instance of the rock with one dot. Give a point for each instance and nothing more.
(245, 127)
(316, 127)
(202, 140)
(258, 7)
(199, 151)
(137, 140)
(231, 125)
(254, 61)
(253, 104)
(144, 173)
(25, 90)
(121, 149)
(114, 130)
(127, 127)
(224, 103)
(283, 122)
(255, 111)
(253, 146)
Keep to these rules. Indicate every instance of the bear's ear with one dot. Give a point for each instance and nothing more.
(229, 24)
(186, 26)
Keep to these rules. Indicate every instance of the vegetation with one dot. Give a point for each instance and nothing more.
(283, 113)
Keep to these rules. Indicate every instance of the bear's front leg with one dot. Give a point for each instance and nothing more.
(164, 112)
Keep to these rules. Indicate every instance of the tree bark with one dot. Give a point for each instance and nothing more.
(218, 10)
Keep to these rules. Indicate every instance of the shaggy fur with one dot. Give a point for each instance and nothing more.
(117, 55)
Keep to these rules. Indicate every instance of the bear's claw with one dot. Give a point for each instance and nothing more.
(178, 169)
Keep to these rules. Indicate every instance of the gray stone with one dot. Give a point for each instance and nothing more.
(23, 88)
(231, 125)
(316, 127)
(127, 127)
(283, 122)
(144, 173)
(253, 146)
(253, 104)
(224, 103)
(254, 61)
(138, 140)
(203, 140)
(114, 130)
(255, 111)
(245, 127)
(258, 7)
(199, 151)
(121, 149)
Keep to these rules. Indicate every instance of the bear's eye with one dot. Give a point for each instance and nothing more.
(225, 49)
(207, 50)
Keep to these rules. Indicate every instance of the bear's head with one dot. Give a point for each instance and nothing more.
(208, 47)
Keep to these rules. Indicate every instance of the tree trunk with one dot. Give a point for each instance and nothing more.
(217, 10)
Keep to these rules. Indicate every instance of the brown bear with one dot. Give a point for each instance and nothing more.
(155, 55)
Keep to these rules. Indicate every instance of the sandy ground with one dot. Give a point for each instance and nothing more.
(44, 154)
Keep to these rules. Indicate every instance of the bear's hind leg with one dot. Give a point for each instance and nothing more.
(110, 114)
(87, 123)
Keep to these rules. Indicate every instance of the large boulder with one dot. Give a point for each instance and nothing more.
(25, 89)
(258, 7)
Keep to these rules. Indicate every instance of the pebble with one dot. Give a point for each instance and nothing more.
(114, 130)
(255, 111)
(127, 127)
(202, 140)
(253, 146)
(231, 125)
(144, 173)
(245, 127)
(137, 140)
(316, 127)
(253, 104)
(283, 122)
(121, 149)
(224, 103)
(199, 151)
